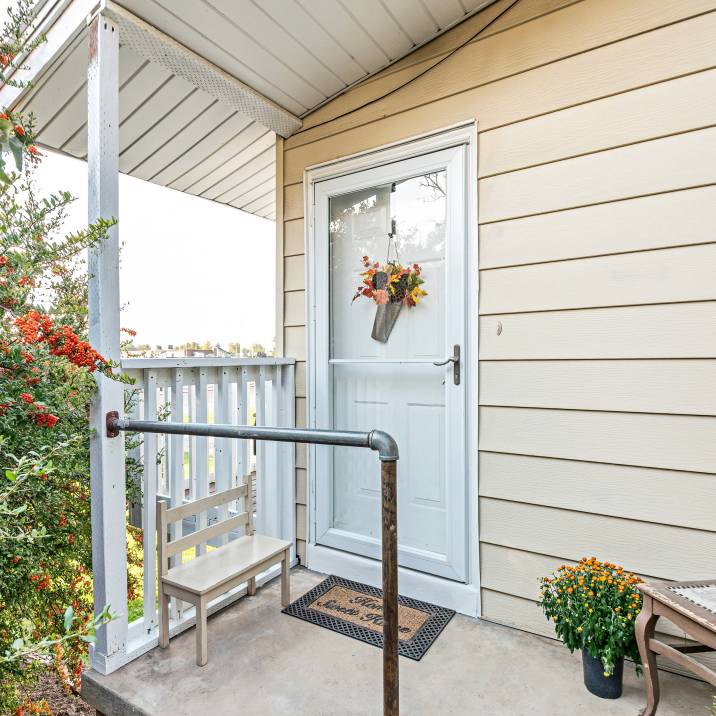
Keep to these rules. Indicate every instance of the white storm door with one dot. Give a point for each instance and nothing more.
(361, 383)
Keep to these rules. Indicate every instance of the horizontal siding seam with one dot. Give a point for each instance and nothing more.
(600, 150)
(557, 557)
(595, 462)
(597, 308)
(668, 638)
(598, 410)
(395, 114)
(703, 185)
(625, 518)
(598, 514)
(592, 100)
(597, 256)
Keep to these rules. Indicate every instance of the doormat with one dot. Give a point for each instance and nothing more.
(356, 610)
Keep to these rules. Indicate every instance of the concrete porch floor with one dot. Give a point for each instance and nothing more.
(265, 662)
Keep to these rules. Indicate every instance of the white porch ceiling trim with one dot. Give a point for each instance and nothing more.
(153, 45)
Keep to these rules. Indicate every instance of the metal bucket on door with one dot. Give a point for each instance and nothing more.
(385, 317)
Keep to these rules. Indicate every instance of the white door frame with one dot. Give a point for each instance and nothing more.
(464, 598)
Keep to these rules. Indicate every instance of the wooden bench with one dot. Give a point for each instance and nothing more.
(218, 570)
(691, 606)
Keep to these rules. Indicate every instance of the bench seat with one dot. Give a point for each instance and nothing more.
(220, 566)
(213, 571)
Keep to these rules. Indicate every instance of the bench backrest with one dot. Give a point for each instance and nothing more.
(167, 516)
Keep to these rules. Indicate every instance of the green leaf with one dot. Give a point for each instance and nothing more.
(69, 617)
(10, 475)
(88, 639)
(4, 178)
(17, 644)
(18, 149)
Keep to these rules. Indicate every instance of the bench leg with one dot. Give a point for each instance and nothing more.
(251, 587)
(644, 629)
(163, 619)
(285, 578)
(201, 636)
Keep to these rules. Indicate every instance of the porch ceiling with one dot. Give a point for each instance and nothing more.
(297, 54)
(171, 133)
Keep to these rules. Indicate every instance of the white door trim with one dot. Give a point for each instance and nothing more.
(464, 598)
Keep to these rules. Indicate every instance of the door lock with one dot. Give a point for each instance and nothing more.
(455, 360)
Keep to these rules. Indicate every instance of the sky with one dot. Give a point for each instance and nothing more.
(191, 269)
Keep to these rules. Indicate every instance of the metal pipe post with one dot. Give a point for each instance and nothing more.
(389, 513)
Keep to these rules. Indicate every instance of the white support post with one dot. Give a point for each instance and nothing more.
(106, 454)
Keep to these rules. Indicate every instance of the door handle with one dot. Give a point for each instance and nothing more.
(455, 360)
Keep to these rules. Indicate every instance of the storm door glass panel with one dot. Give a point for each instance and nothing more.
(390, 385)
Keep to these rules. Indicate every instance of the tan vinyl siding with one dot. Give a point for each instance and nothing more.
(596, 205)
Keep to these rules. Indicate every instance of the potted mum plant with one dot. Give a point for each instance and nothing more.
(593, 606)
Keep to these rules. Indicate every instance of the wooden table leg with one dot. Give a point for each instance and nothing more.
(644, 628)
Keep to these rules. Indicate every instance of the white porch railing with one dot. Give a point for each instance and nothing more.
(180, 468)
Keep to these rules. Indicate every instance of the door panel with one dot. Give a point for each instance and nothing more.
(363, 384)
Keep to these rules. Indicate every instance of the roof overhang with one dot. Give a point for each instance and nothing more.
(205, 90)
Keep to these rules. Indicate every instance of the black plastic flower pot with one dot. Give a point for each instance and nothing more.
(605, 687)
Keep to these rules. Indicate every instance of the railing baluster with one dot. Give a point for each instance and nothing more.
(135, 454)
(202, 453)
(176, 476)
(149, 531)
(192, 439)
(222, 446)
(287, 482)
(271, 473)
(242, 449)
(260, 399)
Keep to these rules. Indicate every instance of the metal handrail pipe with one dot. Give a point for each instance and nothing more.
(377, 440)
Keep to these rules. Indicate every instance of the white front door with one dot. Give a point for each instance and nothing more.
(362, 383)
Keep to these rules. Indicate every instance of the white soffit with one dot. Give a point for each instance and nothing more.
(300, 53)
(183, 120)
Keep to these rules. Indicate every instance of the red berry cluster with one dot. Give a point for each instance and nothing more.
(41, 581)
(42, 416)
(20, 132)
(62, 340)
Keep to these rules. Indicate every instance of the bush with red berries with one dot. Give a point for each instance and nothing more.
(47, 378)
